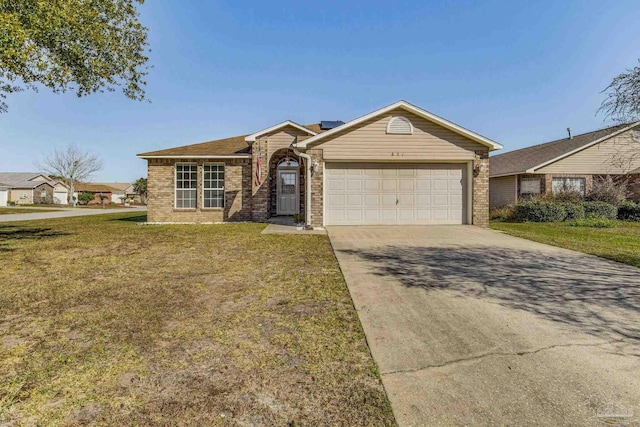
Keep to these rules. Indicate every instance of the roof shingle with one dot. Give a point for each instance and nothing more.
(519, 161)
(219, 147)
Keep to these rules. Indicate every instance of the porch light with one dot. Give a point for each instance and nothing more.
(480, 167)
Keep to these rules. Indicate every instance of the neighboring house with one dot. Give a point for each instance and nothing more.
(566, 164)
(122, 191)
(4, 194)
(26, 188)
(98, 190)
(60, 193)
(397, 165)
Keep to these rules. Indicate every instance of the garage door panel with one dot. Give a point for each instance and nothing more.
(354, 184)
(389, 184)
(354, 200)
(395, 194)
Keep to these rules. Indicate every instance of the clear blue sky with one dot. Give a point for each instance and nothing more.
(517, 72)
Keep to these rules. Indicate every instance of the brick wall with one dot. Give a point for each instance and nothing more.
(481, 191)
(37, 194)
(317, 188)
(548, 180)
(161, 192)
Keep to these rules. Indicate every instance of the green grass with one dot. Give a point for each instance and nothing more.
(621, 242)
(106, 322)
(7, 211)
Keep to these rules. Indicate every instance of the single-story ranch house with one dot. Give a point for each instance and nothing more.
(25, 188)
(397, 165)
(566, 164)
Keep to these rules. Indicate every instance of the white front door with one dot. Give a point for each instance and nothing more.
(287, 189)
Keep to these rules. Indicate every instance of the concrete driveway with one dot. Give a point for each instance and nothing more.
(474, 327)
(66, 213)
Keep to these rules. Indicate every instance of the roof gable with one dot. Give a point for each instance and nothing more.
(529, 159)
(407, 107)
(253, 136)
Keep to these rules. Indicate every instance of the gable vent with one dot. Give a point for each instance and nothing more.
(399, 125)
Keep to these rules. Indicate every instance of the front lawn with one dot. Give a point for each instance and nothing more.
(7, 211)
(105, 322)
(620, 243)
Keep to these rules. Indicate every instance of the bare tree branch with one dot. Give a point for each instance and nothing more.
(71, 164)
(622, 103)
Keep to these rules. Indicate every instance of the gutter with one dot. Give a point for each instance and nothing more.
(307, 181)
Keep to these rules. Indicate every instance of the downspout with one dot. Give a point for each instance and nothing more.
(307, 181)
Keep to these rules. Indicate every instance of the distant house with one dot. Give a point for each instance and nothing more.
(98, 190)
(25, 188)
(122, 191)
(568, 163)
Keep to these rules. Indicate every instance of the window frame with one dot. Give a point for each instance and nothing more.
(529, 178)
(583, 185)
(204, 188)
(175, 185)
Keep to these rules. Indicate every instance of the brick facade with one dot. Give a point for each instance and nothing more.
(317, 189)
(39, 191)
(161, 192)
(480, 215)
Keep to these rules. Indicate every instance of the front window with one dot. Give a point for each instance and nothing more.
(213, 185)
(568, 185)
(529, 187)
(186, 185)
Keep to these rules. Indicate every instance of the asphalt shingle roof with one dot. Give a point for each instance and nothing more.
(519, 161)
(218, 147)
(21, 179)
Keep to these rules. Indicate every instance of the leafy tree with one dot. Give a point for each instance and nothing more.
(140, 187)
(622, 103)
(72, 165)
(78, 45)
(85, 197)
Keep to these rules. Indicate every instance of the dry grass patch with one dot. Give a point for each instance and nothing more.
(105, 322)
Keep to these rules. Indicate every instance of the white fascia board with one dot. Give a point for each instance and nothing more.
(252, 137)
(234, 156)
(412, 109)
(591, 144)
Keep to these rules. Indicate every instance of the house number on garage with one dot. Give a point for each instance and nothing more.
(397, 154)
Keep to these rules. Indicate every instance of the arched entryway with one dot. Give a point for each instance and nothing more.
(286, 184)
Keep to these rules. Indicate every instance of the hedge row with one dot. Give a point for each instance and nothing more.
(557, 212)
(629, 211)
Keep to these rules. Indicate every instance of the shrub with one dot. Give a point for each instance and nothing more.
(600, 210)
(629, 211)
(539, 212)
(574, 211)
(505, 213)
(85, 197)
(609, 190)
(594, 222)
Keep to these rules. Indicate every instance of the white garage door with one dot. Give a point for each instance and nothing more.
(377, 194)
(60, 197)
(3, 197)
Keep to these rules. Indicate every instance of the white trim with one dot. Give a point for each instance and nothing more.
(324, 193)
(253, 136)
(232, 156)
(175, 188)
(224, 182)
(412, 109)
(591, 144)
(470, 192)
